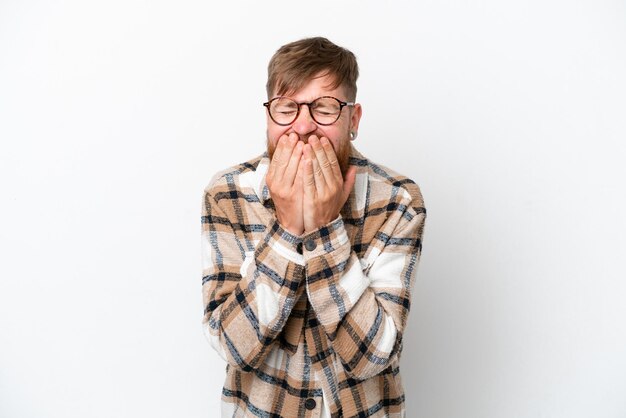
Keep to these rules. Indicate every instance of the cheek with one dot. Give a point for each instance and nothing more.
(336, 137)
(275, 131)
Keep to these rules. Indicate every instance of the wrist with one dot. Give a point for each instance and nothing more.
(292, 229)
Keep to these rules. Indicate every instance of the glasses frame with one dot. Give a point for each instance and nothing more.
(342, 104)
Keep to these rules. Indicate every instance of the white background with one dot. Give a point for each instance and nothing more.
(511, 116)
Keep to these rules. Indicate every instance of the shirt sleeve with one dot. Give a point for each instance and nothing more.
(364, 308)
(248, 293)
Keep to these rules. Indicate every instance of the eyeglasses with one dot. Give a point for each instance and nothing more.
(324, 110)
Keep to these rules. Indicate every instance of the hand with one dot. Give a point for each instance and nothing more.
(325, 190)
(285, 184)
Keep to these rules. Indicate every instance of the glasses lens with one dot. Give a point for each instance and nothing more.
(283, 110)
(326, 110)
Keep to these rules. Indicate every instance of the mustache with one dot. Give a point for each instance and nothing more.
(305, 138)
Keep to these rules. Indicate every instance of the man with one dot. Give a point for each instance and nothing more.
(309, 254)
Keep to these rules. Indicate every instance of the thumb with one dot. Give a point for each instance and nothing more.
(348, 182)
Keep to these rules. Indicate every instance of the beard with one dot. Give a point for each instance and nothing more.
(342, 151)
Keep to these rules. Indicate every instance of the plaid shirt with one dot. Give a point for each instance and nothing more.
(310, 326)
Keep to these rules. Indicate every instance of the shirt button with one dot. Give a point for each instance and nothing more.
(310, 245)
(310, 404)
(299, 248)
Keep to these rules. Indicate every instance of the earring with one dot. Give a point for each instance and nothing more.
(352, 135)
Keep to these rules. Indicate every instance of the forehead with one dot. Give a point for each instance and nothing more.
(320, 85)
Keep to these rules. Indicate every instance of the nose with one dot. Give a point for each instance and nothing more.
(304, 123)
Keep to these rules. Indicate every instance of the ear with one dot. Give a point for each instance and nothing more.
(355, 118)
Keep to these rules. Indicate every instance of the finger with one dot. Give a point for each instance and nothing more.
(299, 181)
(318, 176)
(308, 182)
(332, 157)
(285, 156)
(348, 183)
(292, 168)
(277, 155)
(321, 160)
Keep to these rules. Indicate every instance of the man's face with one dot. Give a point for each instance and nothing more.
(304, 126)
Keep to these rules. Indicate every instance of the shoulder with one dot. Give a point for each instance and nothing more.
(389, 185)
(229, 179)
